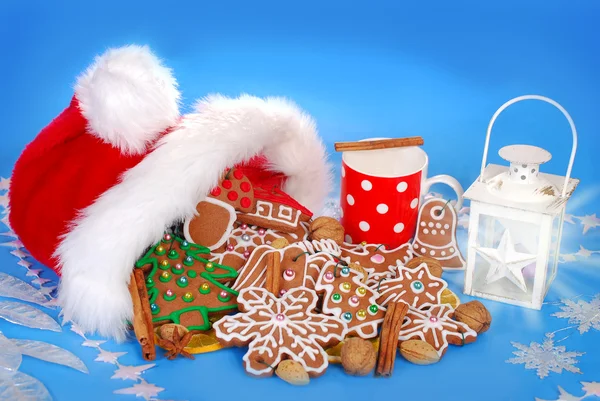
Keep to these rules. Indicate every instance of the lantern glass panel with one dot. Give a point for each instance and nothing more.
(494, 280)
(554, 250)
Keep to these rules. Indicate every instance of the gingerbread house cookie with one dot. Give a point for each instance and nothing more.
(276, 210)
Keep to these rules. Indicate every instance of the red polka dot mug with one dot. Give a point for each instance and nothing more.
(381, 192)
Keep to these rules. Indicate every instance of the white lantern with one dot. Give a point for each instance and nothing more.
(516, 222)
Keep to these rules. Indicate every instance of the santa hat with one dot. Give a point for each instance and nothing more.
(104, 180)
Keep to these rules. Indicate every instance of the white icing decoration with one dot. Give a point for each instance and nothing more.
(396, 289)
(443, 327)
(265, 210)
(285, 212)
(308, 331)
(226, 234)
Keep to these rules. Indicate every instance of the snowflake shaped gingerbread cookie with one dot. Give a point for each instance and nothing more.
(436, 327)
(275, 328)
(414, 286)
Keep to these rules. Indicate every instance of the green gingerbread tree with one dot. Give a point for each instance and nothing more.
(184, 287)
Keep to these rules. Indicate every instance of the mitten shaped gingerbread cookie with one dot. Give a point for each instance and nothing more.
(212, 225)
(278, 328)
(350, 300)
(436, 234)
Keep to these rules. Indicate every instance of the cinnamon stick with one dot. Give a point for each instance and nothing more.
(378, 144)
(273, 273)
(142, 316)
(388, 340)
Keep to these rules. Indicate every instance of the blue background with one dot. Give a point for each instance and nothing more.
(435, 69)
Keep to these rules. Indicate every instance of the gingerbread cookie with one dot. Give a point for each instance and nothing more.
(245, 238)
(436, 234)
(276, 210)
(415, 286)
(183, 286)
(278, 328)
(297, 265)
(378, 261)
(350, 300)
(213, 223)
(236, 190)
(436, 327)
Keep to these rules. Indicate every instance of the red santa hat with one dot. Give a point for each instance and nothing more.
(118, 166)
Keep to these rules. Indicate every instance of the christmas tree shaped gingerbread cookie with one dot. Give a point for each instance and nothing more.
(183, 286)
(346, 297)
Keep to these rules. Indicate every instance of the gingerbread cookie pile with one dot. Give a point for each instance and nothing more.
(303, 297)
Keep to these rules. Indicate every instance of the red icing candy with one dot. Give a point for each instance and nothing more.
(246, 202)
(245, 186)
(216, 191)
(238, 174)
(232, 195)
(227, 184)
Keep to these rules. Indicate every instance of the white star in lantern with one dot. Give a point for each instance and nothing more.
(108, 357)
(131, 372)
(145, 390)
(589, 221)
(506, 262)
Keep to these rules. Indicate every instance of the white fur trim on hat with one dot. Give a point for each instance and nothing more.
(128, 98)
(98, 254)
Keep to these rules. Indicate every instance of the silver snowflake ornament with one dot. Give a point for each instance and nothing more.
(545, 357)
(585, 314)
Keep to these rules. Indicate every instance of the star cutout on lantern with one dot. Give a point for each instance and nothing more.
(92, 343)
(563, 396)
(506, 262)
(108, 357)
(145, 390)
(589, 221)
(4, 183)
(591, 389)
(131, 372)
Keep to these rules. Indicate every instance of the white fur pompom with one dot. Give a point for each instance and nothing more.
(128, 97)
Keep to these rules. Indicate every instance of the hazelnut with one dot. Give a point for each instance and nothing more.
(280, 243)
(292, 372)
(419, 352)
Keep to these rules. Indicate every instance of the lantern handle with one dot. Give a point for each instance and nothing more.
(544, 99)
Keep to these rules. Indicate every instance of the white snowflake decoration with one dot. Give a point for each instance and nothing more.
(585, 314)
(545, 357)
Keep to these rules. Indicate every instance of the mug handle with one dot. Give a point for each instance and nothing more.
(448, 180)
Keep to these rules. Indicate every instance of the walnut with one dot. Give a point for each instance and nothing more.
(435, 268)
(474, 315)
(358, 356)
(326, 228)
